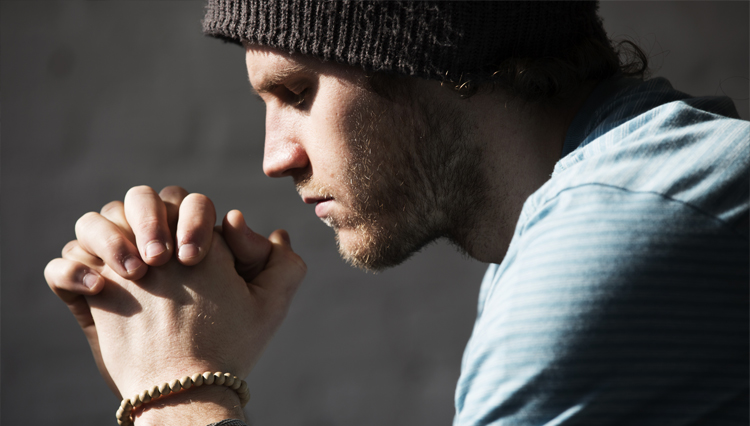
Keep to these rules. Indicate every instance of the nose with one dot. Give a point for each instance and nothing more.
(283, 153)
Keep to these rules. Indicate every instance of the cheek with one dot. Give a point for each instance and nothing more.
(330, 134)
(342, 114)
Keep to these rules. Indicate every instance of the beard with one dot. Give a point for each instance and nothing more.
(411, 177)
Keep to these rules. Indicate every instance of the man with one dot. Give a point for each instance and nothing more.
(615, 213)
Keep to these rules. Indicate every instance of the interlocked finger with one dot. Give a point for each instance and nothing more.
(73, 251)
(70, 280)
(147, 215)
(115, 212)
(195, 228)
(250, 249)
(107, 241)
(172, 197)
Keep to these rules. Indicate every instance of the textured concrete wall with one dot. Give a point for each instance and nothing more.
(101, 96)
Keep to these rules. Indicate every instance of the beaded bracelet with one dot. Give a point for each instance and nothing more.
(124, 413)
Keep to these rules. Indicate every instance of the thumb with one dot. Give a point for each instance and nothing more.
(250, 250)
(283, 273)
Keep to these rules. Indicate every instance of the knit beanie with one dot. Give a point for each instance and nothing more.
(443, 40)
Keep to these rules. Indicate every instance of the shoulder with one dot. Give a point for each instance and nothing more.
(676, 151)
(596, 236)
(624, 292)
(605, 289)
(603, 233)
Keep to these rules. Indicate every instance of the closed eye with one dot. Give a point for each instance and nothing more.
(298, 99)
(299, 95)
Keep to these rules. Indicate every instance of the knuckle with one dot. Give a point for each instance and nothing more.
(49, 273)
(200, 202)
(139, 190)
(148, 224)
(68, 271)
(69, 247)
(115, 245)
(57, 272)
(188, 236)
(198, 198)
(86, 220)
(112, 206)
(173, 189)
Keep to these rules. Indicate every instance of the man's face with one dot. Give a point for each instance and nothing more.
(385, 175)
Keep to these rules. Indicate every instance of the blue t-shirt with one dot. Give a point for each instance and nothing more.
(623, 297)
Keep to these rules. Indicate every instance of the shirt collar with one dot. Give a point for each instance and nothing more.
(594, 110)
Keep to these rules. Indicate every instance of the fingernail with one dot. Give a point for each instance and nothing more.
(188, 251)
(155, 248)
(90, 279)
(131, 263)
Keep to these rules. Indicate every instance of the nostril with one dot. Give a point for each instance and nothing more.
(284, 159)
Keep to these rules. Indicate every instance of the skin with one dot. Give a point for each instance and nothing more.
(215, 316)
(427, 159)
(385, 174)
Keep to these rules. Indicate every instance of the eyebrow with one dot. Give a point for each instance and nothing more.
(272, 80)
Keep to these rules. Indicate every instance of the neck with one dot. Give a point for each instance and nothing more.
(520, 144)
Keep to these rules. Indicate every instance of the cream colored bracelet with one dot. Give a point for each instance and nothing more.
(124, 413)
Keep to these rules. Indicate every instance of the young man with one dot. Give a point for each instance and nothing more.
(614, 213)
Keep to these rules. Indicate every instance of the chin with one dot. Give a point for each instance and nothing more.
(356, 248)
(374, 250)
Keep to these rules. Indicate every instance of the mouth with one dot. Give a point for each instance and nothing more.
(322, 205)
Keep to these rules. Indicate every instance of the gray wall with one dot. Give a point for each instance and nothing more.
(101, 96)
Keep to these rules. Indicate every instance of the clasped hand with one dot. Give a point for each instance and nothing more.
(151, 316)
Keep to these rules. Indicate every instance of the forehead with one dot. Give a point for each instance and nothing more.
(262, 62)
(267, 66)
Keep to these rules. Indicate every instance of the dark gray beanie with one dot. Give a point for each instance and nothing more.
(441, 40)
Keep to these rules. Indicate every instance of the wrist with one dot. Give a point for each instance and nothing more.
(193, 407)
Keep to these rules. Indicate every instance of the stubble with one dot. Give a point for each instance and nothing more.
(413, 176)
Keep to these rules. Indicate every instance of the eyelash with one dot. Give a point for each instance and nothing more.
(299, 98)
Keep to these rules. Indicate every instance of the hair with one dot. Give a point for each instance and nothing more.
(538, 79)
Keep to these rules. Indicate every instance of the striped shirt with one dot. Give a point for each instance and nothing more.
(623, 297)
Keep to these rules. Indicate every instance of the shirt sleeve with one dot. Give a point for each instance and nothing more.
(612, 307)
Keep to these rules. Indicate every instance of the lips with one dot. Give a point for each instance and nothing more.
(323, 205)
(322, 208)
